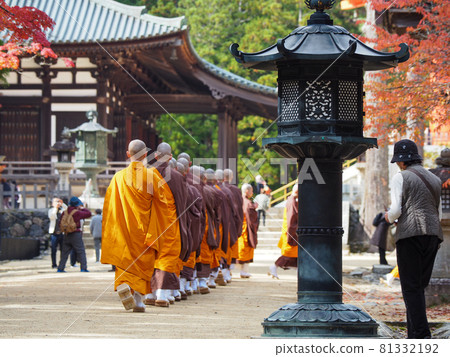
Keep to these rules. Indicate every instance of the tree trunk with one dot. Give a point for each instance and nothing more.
(376, 177)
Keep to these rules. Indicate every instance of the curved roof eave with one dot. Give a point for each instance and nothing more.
(228, 77)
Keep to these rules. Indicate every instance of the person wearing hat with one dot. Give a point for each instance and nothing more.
(74, 240)
(415, 203)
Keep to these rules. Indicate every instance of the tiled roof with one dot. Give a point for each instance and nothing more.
(235, 79)
(100, 20)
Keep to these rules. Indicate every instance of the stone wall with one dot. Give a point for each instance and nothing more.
(24, 223)
(21, 231)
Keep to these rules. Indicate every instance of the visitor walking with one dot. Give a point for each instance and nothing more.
(96, 231)
(263, 201)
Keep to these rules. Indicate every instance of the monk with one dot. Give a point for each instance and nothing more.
(195, 180)
(288, 242)
(194, 216)
(211, 237)
(249, 238)
(133, 216)
(174, 242)
(224, 276)
(223, 229)
(238, 202)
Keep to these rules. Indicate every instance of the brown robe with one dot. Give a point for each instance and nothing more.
(292, 220)
(194, 217)
(198, 185)
(251, 216)
(178, 185)
(237, 201)
(213, 208)
(225, 218)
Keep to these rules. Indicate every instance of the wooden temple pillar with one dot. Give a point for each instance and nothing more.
(46, 75)
(228, 118)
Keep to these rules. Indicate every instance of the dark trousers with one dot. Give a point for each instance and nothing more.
(263, 214)
(382, 253)
(415, 259)
(56, 240)
(73, 241)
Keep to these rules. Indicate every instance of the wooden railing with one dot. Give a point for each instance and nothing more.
(283, 193)
(37, 182)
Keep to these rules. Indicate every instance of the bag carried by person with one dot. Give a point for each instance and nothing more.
(67, 224)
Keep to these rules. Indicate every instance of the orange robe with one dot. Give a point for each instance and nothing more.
(134, 213)
(249, 238)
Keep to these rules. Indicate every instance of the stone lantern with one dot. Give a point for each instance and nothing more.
(320, 123)
(91, 157)
(64, 150)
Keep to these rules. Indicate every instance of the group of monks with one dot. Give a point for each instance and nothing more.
(173, 230)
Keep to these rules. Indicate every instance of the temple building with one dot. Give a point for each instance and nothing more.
(130, 67)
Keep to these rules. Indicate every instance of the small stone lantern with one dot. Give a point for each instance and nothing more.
(91, 141)
(320, 123)
(64, 150)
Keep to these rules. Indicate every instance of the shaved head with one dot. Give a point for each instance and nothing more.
(184, 162)
(219, 175)
(173, 163)
(184, 155)
(163, 152)
(210, 175)
(137, 150)
(196, 170)
(181, 168)
(228, 175)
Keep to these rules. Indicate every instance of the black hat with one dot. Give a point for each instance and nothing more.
(405, 150)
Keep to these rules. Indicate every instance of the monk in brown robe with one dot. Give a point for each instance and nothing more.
(249, 238)
(211, 237)
(238, 202)
(195, 180)
(134, 213)
(174, 242)
(288, 241)
(233, 224)
(194, 214)
(222, 229)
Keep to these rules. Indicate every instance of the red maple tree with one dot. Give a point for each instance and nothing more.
(24, 34)
(417, 92)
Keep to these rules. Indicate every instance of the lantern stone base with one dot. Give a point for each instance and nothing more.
(319, 320)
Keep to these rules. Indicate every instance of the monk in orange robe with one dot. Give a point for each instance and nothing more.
(174, 242)
(249, 238)
(239, 219)
(133, 216)
(288, 242)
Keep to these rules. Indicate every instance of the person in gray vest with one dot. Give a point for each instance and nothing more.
(96, 231)
(415, 202)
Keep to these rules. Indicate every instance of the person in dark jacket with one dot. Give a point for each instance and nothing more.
(74, 240)
(379, 238)
(415, 202)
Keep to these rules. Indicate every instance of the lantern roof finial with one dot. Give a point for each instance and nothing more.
(319, 5)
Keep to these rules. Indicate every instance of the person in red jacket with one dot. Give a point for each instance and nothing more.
(74, 240)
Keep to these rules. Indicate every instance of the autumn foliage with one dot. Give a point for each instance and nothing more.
(416, 93)
(24, 30)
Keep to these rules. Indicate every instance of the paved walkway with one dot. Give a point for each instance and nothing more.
(37, 302)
